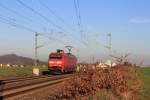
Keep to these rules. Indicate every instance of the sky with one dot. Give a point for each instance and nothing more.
(57, 22)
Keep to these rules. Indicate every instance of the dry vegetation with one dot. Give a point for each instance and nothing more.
(117, 83)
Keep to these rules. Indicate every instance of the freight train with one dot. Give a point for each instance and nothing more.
(60, 61)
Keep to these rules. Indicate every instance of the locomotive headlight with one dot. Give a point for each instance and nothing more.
(51, 62)
(59, 62)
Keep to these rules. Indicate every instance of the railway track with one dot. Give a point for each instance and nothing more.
(24, 78)
(12, 88)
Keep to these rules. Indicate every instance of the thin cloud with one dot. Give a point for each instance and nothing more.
(139, 20)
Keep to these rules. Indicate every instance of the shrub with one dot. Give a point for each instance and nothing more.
(120, 82)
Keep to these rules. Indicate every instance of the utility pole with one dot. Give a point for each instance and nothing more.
(36, 47)
(93, 58)
(110, 44)
(110, 47)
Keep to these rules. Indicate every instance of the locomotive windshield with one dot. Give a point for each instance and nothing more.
(55, 56)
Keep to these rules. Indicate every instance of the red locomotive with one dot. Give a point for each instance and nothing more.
(62, 62)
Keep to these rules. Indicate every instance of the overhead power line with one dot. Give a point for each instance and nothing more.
(19, 14)
(43, 17)
(9, 21)
(57, 16)
(39, 14)
(55, 39)
(14, 24)
(12, 11)
(78, 15)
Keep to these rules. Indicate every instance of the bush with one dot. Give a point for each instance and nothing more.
(119, 82)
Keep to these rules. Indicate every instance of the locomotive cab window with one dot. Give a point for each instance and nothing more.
(55, 56)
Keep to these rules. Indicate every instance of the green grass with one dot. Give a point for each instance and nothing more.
(19, 70)
(145, 78)
(145, 71)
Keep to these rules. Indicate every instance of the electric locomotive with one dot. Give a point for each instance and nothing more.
(62, 62)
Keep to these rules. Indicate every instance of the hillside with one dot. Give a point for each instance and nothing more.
(19, 60)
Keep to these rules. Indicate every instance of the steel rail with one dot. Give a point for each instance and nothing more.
(24, 78)
(31, 86)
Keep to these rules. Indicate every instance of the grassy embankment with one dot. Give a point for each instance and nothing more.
(15, 71)
(145, 78)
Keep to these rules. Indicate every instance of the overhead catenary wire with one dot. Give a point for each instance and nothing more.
(56, 15)
(12, 11)
(39, 14)
(76, 12)
(44, 18)
(14, 24)
(29, 20)
(79, 15)
(79, 22)
(55, 39)
(8, 20)
(80, 25)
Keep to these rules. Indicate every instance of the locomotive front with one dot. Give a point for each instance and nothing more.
(56, 61)
(62, 62)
